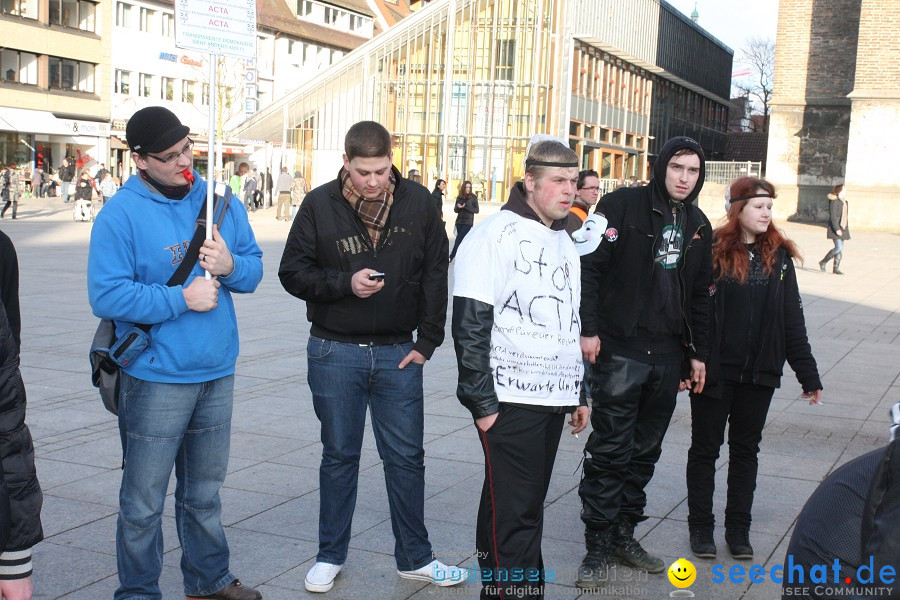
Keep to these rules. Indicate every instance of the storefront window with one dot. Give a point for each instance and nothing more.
(14, 148)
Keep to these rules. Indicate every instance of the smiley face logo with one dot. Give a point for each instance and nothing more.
(682, 573)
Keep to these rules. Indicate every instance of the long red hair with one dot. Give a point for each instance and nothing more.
(729, 250)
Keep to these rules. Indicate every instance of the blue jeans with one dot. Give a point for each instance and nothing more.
(838, 246)
(344, 380)
(188, 426)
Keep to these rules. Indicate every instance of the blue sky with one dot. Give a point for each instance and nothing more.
(734, 21)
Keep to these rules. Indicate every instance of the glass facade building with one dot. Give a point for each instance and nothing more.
(463, 84)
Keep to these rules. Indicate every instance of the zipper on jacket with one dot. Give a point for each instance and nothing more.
(687, 321)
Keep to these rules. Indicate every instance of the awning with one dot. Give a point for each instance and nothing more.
(43, 122)
(117, 144)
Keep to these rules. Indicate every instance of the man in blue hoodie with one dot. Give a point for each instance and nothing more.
(176, 396)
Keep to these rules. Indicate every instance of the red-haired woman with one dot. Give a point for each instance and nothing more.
(756, 323)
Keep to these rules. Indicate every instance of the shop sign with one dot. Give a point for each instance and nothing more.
(217, 26)
(86, 127)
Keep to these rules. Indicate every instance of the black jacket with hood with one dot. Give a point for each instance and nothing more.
(471, 326)
(616, 278)
(328, 243)
(20, 492)
(782, 335)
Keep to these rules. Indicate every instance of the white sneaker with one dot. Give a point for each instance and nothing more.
(437, 573)
(320, 578)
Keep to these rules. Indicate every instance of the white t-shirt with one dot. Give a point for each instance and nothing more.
(531, 275)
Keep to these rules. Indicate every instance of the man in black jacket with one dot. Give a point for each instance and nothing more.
(20, 492)
(645, 297)
(368, 254)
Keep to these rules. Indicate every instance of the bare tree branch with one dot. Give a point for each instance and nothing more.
(758, 55)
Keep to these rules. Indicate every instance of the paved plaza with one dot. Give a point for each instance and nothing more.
(270, 498)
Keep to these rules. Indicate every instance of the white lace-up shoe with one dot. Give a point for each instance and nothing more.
(437, 573)
(320, 578)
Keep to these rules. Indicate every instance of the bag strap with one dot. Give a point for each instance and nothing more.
(193, 252)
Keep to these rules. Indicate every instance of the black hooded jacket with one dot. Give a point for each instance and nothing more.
(20, 492)
(328, 243)
(616, 278)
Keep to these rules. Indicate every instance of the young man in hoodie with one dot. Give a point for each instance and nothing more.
(644, 310)
(516, 334)
(176, 396)
(368, 254)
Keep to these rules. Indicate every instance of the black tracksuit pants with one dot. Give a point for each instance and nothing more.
(743, 406)
(633, 402)
(519, 452)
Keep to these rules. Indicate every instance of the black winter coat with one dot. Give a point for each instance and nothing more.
(783, 336)
(466, 213)
(616, 278)
(835, 213)
(20, 492)
(328, 243)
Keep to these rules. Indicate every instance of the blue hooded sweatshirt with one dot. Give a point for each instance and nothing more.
(138, 240)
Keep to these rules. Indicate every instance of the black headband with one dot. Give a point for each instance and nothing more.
(533, 162)
(739, 198)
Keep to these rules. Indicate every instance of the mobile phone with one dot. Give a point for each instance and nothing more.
(376, 276)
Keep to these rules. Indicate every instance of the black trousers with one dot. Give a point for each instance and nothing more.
(633, 403)
(461, 231)
(744, 407)
(519, 452)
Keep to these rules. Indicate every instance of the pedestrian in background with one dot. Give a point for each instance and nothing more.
(299, 189)
(66, 176)
(755, 324)
(283, 190)
(108, 188)
(37, 183)
(438, 194)
(838, 228)
(466, 207)
(13, 190)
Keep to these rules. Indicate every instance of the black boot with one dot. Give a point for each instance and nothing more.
(703, 545)
(825, 260)
(837, 264)
(738, 541)
(594, 569)
(628, 551)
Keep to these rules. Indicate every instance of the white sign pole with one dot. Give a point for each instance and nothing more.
(211, 162)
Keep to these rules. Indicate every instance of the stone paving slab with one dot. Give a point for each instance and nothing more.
(270, 499)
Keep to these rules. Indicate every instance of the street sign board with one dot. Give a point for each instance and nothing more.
(217, 26)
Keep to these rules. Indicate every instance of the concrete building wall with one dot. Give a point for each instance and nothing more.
(835, 109)
(815, 64)
(872, 180)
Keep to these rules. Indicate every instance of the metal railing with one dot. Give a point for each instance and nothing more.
(726, 172)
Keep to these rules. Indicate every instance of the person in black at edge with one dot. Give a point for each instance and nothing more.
(853, 517)
(645, 295)
(20, 492)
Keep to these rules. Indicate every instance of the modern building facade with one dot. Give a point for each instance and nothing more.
(835, 109)
(52, 84)
(464, 84)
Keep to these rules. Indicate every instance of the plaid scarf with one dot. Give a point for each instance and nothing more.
(374, 213)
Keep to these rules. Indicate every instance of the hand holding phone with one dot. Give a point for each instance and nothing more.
(376, 276)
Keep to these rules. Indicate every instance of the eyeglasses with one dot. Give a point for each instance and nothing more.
(170, 159)
(592, 188)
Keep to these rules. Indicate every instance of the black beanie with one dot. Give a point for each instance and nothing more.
(153, 129)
